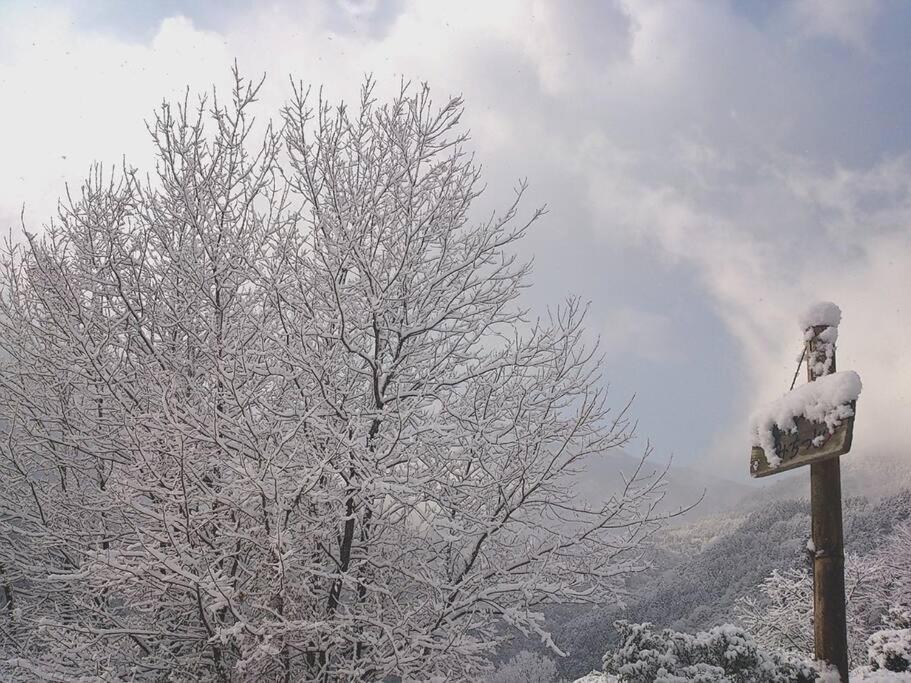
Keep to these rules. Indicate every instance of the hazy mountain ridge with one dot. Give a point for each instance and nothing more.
(685, 487)
(869, 475)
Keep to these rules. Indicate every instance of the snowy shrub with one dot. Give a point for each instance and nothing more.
(899, 616)
(596, 677)
(526, 667)
(725, 653)
(890, 649)
(864, 675)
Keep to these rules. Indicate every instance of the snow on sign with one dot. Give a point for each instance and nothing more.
(811, 423)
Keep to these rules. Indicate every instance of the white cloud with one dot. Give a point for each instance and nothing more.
(72, 98)
(859, 255)
(631, 331)
(848, 22)
(665, 125)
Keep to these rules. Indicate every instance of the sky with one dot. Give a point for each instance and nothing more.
(709, 168)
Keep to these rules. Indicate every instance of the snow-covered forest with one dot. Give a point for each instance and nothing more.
(353, 377)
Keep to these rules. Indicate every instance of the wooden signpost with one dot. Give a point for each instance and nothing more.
(811, 442)
(819, 445)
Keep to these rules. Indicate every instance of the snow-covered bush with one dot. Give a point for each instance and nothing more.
(526, 667)
(597, 677)
(865, 675)
(725, 653)
(890, 650)
(899, 616)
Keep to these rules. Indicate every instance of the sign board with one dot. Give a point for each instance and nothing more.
(796, 448)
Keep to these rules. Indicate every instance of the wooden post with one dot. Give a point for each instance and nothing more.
(830, 625)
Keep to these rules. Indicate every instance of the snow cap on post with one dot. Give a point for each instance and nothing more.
(819, 323)
(820, 314)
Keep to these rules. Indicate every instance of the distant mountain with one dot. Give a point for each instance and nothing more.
(685, 486)
(867, 475)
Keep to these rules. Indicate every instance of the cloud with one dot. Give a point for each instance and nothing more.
(71, 98)
(631, 331)
(684, 148)
(839, 234)
(848, 22)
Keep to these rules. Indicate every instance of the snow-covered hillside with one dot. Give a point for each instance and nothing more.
(704, 567)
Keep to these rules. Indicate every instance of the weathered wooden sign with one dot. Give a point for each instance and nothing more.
(811, 442)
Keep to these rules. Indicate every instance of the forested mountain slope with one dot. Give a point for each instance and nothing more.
(703, 568)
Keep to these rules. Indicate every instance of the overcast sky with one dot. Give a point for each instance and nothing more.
(710, 167)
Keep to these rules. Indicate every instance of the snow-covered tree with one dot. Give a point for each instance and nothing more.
(895, 556)
(889, 649)
(273, 412)
(877, 590)
(780, 613)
